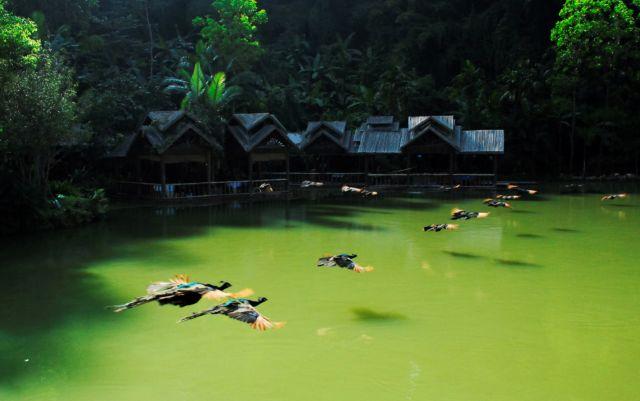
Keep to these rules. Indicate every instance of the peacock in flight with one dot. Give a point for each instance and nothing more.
(458, 214)
(243, 310)
(496, 203)
(180, 291)
(440, 227)
(344, 261)
(614, 197)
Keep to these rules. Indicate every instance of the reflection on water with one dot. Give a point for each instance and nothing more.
(544, 300)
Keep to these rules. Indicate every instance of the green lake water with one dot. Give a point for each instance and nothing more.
(541, 302)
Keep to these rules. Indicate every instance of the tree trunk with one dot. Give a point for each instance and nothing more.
(151, 45)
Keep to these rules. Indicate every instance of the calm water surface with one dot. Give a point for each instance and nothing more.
(536, 303)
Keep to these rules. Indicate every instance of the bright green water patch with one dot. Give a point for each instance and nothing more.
(536, 303)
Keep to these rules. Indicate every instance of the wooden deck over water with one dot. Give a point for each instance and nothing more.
(289, 186)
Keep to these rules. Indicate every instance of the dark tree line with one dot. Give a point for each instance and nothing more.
(561, 77)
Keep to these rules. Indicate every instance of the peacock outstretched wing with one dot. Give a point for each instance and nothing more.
(245, 313)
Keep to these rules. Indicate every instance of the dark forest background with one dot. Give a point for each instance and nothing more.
(560, 77)
(491, 63)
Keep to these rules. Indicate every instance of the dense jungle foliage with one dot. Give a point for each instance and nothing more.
(561, 77)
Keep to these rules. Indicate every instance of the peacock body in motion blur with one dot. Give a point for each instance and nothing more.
(180, 291)
(458, 214)
(243, 310)
(344, 261)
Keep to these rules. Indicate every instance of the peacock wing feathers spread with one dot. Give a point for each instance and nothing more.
(167, 286)
(326, 261)
(160, 287)
(245, 313)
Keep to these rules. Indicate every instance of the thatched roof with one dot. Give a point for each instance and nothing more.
(378, 142)
(442, 127)
(446, 121)
(250, 130)
(161, 129)
(334, 131)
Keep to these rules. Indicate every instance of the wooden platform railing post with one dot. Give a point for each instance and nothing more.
(452, 162)
(495, 170)
(209, 167)
(138, 177)
(163, 178)
(250, 173)
(366, 170)
(287, 161)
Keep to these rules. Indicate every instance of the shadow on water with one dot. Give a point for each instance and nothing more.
(520, 211)
(529, 236)
(337, 218)
(517, 263)
(565, 230)
(462, 255)
(369, 315)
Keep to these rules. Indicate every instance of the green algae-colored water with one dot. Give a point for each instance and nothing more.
(541, 302)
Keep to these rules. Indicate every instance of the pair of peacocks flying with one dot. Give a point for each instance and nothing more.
(180, 291)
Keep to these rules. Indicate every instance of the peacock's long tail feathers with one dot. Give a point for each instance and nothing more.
(195, 315)
(132, 304)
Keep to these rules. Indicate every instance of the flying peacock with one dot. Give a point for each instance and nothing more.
(180, 291)
(240, 309)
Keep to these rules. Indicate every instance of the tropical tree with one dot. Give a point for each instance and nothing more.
(19, 43)
(231, 31)
(596, 45)
(38, 112)
(200, 89)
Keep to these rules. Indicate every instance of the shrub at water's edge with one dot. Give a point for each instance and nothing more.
(76, 207)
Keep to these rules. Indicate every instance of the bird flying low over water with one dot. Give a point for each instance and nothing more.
(495, 203)
(361, 191)
(458, 214)
(344, 261)
(448, 188)
(614, 196)
(241, 309)
(440, 227)
(309, 184)
(266, 187)
(181, 292)
(522, 190)
(508, 197)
